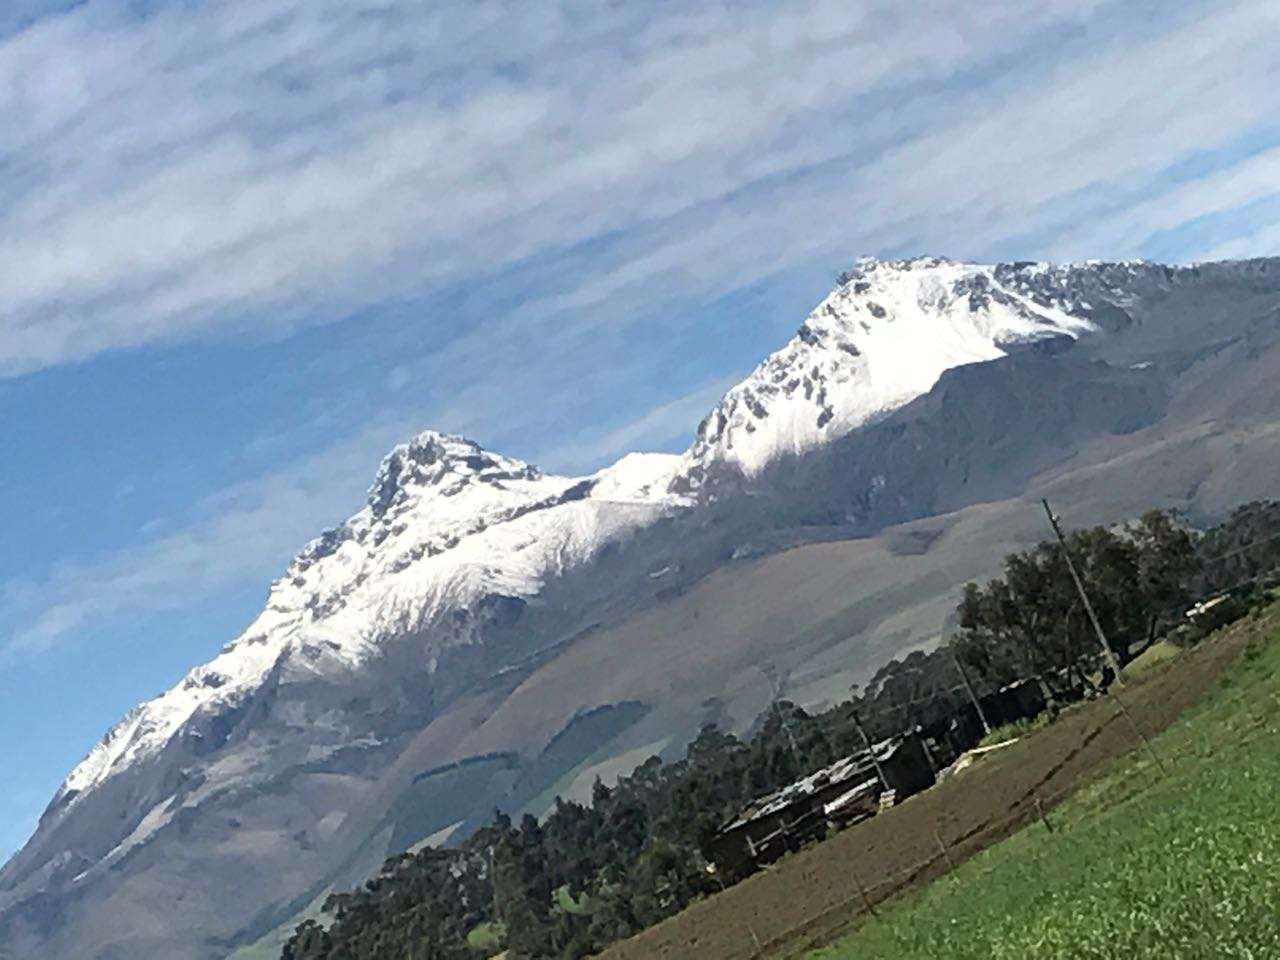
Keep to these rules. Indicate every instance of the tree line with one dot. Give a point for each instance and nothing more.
(587, 874)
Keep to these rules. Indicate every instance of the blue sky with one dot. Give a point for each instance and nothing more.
(246, 246)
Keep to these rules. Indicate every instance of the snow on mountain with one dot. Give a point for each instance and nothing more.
(476, 604)
(882, 338)
(448, 523)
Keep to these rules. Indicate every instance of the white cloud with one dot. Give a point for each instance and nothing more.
(1266, 238)
(258, 165)
(1218, 191)
(248, 533)
(251, 529)
(658, 428)
(1035, 154)
(243, 167)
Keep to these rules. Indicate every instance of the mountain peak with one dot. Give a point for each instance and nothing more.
(881, 338)
(867, 265)
(443, 461)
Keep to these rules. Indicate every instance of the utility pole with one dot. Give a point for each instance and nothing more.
(1084, 597)
(977, 704)
(866, 742)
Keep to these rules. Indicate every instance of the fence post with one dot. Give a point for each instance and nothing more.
(1044, 818)
(1138, 730)
(946, 854)
(866, 900)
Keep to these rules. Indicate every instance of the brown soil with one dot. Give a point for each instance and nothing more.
(815, 895)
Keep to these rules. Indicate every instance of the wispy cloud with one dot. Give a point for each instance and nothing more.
(248, 532)
(241, 166)
(656, 429)
(1065, 159)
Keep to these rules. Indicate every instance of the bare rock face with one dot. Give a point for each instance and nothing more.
(483, 633)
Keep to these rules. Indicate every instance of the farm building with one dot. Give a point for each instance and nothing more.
(845, 792)
(961, 730)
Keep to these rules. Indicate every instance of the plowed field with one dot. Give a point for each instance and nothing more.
(811, 897)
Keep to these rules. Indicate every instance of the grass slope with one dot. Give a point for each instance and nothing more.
(1184, 865)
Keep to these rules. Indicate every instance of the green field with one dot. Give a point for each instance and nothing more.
(1141, 865)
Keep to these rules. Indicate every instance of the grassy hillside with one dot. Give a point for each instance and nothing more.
(1140, 865)
(1130, 845)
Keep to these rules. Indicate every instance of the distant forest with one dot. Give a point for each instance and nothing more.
(584, 876)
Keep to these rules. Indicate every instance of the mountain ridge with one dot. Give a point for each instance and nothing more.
(447, 466)
(466, 572)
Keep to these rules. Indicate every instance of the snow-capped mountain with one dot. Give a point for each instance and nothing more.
(879, 340)
(463, 615)
(448, 523)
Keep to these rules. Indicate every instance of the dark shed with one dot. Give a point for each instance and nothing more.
(782, 821)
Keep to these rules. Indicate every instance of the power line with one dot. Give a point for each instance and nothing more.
(1238, 550)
